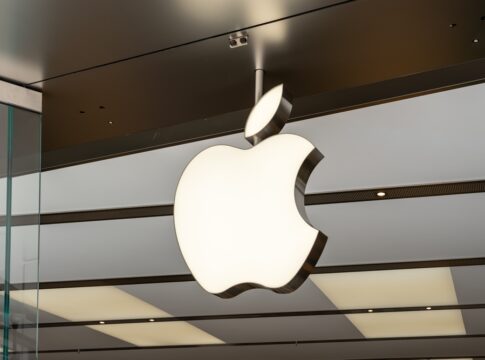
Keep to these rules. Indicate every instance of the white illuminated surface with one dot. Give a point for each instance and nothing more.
(89, 303)
(264, 111)
(104, 303)
(158, 334)
(409, 323)
(235, 212)
(388, 288)
(236, 218)
(396, 288)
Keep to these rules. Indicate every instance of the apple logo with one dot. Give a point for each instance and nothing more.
(239, 214)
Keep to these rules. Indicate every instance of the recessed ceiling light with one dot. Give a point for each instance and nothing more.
(102, 322)
(110, 122)
(452, 25)
(90, 303)
(151, 320)
(381, 194)
(476, 41)
(370, 311)
(428, 308)
(158, 333)
(238, 39)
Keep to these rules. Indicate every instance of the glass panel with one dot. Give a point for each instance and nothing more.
(97, 294)
(20, 142)
(4, 142)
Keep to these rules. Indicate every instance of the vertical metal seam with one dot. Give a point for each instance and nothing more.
(38, 241)
(8, 234)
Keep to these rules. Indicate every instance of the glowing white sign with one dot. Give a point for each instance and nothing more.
(239, 214)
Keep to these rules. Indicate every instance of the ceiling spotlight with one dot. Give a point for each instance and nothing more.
(151, 320)
(452, 25)
(101, 322)
(238, 39)
(381, 194)
(428, 308)
(110, 122)
(370, 311)
(476, 41)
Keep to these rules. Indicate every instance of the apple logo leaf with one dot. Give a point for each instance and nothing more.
(269, 115)
(239, 214)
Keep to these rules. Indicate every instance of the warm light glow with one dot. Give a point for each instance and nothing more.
(264, 111)
(381, 194)
(396, 288)
(89, 303)
(236, 218)
(111, 303)
(158, 333)
(409, 323)
(389, 288)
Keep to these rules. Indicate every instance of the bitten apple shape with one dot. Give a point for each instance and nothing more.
(239, 214)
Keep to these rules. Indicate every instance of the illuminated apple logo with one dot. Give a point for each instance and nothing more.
(239, 214)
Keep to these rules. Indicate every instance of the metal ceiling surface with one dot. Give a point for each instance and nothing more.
(44, 39)
(338, 47)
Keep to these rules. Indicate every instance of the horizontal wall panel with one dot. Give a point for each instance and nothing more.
(78, 337)
(281, 329)
(230, 331)
(434, 228)
(187, 299)
(469, 284)
(146, 178)
(428, 139)
(257, 330)
(177, 298)
(398, 349)
(114, 248)
(415, 229)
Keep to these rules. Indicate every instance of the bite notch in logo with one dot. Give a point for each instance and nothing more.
(240, 215)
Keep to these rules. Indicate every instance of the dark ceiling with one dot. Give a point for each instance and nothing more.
(111, 68)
